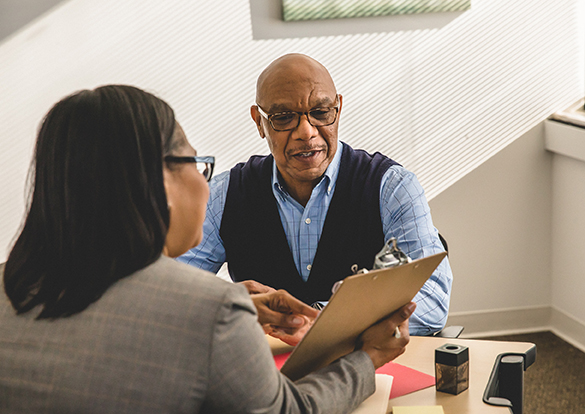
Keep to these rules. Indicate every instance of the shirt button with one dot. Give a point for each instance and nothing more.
(309, 267)
(308, 221)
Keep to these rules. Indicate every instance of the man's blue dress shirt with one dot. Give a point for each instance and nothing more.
(405, 215)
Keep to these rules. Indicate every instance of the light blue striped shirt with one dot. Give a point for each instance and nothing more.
(405, 215)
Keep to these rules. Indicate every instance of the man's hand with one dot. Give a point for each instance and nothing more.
(379, 340)
(291, 336)
(256, 287)
(283, 316)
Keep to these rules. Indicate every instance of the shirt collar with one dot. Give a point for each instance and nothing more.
(331, 172)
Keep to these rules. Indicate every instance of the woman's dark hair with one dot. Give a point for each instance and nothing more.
(98, 210)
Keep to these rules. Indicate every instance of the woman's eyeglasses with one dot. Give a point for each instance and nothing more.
(204, 164)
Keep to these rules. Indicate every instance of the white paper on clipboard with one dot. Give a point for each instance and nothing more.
(360, 301)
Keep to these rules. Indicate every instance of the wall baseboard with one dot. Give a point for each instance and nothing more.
(502, 321)
(568, 328)
(479, 324)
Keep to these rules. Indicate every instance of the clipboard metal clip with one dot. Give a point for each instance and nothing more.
(355, 271)
(390, 256)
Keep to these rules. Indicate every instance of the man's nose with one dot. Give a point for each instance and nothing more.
(305, 130)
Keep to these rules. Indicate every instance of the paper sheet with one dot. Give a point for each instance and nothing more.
(377, 403)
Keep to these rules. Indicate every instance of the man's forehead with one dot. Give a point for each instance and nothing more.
(290, 104)
(291, 93)
(295, 77)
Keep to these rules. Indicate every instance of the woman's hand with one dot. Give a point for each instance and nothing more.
(380, 340)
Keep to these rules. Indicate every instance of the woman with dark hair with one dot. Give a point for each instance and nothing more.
(97, 317)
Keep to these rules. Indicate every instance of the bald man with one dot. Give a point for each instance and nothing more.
(298, 219)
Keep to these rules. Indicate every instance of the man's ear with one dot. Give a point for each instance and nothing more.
(340, 103)
(257, 119)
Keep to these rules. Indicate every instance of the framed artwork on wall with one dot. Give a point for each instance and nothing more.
(294, 10)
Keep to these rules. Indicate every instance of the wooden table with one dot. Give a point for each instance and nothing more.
(420, 355)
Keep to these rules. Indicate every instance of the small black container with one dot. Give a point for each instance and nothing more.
(452, 368)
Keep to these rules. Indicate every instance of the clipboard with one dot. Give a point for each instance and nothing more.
(360, 301)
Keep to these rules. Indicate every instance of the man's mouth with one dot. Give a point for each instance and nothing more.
(303, 155)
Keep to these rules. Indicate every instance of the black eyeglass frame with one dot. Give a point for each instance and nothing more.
(269, 116)
(209, 160)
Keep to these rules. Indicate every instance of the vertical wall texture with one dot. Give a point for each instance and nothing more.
(440, 100)
(497, 220)
(568, 230)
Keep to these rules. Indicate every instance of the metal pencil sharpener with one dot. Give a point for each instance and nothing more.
(452, 368)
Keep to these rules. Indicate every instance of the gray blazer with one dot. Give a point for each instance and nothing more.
(168, 339)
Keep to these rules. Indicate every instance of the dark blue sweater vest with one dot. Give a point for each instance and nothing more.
(255, 242)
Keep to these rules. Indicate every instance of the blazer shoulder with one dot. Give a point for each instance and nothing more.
(193, 283)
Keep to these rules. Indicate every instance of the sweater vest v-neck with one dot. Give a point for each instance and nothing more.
(256, 245)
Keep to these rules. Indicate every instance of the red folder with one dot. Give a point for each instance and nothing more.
(406, 380)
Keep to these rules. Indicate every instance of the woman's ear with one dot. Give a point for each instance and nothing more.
(170, 185)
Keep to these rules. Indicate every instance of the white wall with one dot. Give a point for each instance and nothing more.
(515, 227)
(14, 14)
(568, 229)
(440, 95)
(497, 221)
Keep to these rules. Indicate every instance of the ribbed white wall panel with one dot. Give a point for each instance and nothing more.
(440, 101)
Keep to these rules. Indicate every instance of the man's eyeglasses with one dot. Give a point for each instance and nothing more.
(204, 164)
(286, 121)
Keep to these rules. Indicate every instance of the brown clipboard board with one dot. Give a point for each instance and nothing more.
(360, 301)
